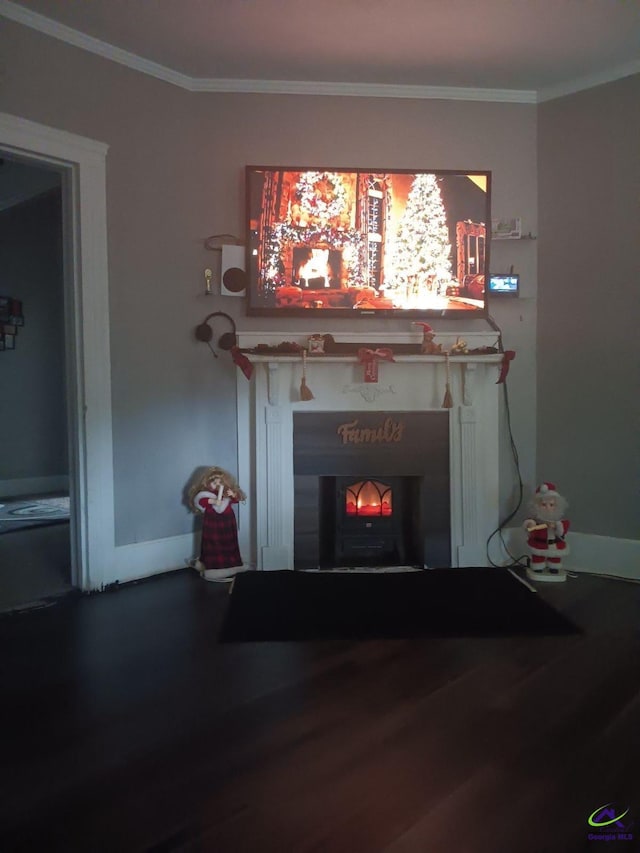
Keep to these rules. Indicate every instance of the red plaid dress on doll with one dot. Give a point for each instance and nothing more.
(219, 547)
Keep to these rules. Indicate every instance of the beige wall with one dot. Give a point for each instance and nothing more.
(589, 305)
(175, 175)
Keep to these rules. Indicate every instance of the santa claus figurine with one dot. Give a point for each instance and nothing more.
(547, 530)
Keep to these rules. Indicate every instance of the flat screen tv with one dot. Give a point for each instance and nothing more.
(367, 242)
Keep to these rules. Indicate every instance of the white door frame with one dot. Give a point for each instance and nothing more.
(83, 165)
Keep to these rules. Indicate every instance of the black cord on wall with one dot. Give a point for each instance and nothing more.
(515, 561)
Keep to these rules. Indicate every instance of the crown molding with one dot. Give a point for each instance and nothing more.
(363, 90)
(93, 45)
(47, 26)
(590, 82)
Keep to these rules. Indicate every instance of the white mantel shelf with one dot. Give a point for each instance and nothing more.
(294, 358)
(268, 402)
(248, 340)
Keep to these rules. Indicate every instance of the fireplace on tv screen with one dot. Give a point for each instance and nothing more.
(349, 242)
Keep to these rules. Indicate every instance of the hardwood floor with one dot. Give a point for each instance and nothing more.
(127, 727)
(35, 566)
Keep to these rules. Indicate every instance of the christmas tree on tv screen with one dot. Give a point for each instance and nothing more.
(421, 255)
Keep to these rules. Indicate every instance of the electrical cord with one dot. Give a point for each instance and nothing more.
(520, 562)
(515, 561)
(523, 561)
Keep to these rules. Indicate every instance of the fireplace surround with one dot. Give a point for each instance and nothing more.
(396, 463)
(352, 428)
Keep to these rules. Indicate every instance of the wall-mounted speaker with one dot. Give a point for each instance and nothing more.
(233, 278)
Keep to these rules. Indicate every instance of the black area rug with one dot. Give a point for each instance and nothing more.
(286, 605)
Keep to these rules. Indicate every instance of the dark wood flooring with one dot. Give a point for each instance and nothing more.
(127, 727)
(35, 565)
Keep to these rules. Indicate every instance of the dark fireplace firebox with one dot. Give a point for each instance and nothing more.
(368, 521)
(371, 489)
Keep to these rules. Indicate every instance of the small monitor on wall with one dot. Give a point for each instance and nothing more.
(504, 284)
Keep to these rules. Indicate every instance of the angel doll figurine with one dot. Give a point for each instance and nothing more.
(213, 494)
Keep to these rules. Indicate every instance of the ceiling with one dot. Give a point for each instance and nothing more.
(539, 48)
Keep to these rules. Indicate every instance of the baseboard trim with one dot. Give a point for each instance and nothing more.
(34, 486)
(591, 554)
(144, 559)
(156, 557)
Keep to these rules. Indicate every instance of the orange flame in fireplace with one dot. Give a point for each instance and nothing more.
(369, 497)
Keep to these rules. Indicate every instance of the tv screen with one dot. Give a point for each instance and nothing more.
(366, 242)
(502, 284)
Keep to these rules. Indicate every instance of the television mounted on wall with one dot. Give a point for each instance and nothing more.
(348, 242)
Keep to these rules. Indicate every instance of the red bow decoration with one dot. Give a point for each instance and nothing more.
(507, 358)
(240, 359)
(370, 358)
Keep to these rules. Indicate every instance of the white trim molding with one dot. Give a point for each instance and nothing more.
(605, 555)
(54, 29)
(59, 31)
(589, 554)
(600, 555)
(145, 559)
(82, 163)
(582, 83)
(363, 90)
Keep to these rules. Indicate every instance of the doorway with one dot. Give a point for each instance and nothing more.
(81, 162)
(35, 543)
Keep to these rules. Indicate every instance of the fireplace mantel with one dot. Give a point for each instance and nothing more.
(410, 383)
(466, 363)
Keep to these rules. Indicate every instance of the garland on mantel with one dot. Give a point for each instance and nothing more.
(368, 356)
